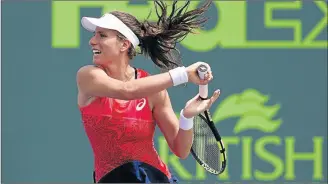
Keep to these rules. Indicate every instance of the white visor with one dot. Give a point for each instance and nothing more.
(109, 21)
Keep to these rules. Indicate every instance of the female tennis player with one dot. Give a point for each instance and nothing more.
(121, 105)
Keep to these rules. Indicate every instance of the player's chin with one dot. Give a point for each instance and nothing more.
(97, 61)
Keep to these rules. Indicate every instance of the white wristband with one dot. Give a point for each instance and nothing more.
(186, 123)
(179, 75)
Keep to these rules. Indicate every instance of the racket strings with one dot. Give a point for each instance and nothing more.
(205, 145)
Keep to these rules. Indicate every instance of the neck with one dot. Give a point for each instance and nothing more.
(120, 70)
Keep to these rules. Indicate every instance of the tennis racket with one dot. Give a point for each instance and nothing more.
(207, 148)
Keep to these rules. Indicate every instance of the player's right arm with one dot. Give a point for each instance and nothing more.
(93, 81)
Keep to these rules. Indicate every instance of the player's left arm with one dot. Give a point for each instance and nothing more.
(179, 140)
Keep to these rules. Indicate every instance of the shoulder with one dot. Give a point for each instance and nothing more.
(88, 68)
(88, 71)
(159, 100)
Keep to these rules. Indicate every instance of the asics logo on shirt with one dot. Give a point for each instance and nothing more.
(141, 104)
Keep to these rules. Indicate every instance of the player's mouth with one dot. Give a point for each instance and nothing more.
(96, 52)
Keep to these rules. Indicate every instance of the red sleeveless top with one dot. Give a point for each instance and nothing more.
(120, 131)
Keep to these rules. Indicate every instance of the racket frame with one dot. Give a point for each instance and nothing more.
(203, 94)
(218, 138)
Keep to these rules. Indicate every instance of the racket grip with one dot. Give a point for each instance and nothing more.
(203, 89)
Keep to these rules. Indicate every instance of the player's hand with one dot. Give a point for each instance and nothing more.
(193, 74)
(196, 105)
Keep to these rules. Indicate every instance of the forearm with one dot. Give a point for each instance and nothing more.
(183, 140)
(147, 86)
(183, 143)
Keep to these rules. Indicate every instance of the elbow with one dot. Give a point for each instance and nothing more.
(183, 155)
(126, 95)
(181, 149)
(128, 91)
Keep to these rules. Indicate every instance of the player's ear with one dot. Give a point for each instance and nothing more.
(126, 44)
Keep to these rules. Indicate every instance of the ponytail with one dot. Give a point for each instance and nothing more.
(159, 39)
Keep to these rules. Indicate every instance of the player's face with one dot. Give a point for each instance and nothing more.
(106, 46)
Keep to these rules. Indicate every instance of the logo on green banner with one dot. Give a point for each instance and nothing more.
(230, 31)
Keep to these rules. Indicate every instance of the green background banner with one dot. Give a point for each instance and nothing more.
(269, 59)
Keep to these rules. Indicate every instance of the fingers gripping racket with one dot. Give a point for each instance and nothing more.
(207, 148)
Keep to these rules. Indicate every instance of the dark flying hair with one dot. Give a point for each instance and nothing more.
(158, 39)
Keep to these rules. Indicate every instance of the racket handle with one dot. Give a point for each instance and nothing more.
(203, 89)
